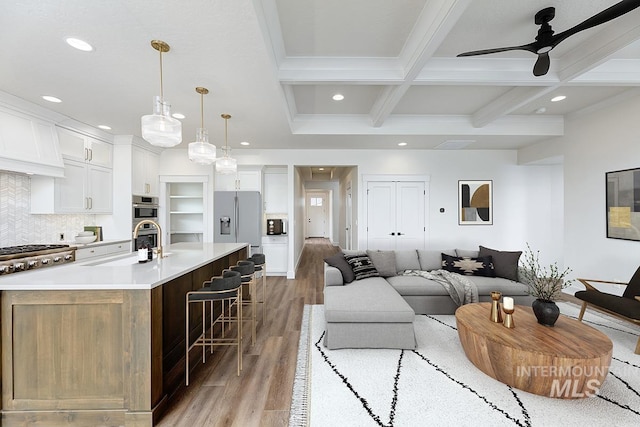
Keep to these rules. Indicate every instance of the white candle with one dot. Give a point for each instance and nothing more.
(508, 303)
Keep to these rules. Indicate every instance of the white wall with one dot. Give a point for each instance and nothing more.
(527, 199)
(603, 142)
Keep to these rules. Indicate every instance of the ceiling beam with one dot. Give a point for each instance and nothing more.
(434, 23)
(427, 125)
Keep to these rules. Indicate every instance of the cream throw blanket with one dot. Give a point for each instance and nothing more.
(461, 289)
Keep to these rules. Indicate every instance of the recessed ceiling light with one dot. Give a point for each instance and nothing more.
(558, 98)
(79, 44)
(244, 143)
(104, 127)
(51, 98)
(541, 110)
(338, 97)
(320, 169)
(402, 144)
(178, 116)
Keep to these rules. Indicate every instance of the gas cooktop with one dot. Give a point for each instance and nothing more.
(30, 249)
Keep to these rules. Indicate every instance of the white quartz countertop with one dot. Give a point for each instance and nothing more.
(121, 271)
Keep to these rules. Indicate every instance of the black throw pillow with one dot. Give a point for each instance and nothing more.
(337, 260)
(505, 263)
(480, 266)
(362, 266)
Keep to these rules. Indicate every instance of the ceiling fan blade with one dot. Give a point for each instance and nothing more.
(527, 47)
(542, 65)
(613, 12)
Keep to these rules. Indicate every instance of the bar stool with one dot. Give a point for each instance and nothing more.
(247, 273)
(226, 288)
(261, 266)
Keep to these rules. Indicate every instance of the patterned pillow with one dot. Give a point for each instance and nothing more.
(480, 266)
(362, 266)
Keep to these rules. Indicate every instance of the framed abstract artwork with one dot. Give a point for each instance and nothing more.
(475, 202)
(623, 204)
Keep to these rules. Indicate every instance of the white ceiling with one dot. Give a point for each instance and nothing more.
(274, 65)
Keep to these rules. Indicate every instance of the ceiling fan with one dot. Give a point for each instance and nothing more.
(546, 40)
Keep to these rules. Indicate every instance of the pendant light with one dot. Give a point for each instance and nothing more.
(159, 128)
(201, 151)
(226, 164)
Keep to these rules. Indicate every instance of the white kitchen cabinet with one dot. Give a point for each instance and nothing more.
(275, 192)
(28, 145)
(145, 172)
(85, 188)
(276, 253)
(242, 180)
(102, 249)
(80, 147)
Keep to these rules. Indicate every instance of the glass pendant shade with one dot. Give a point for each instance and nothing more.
(200, 151)
(226, 165)
(159, 128)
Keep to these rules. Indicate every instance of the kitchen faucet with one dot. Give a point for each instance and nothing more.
(149, 221)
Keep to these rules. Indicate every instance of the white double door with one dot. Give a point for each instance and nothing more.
(396, 215)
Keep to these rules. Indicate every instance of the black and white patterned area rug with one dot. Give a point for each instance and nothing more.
(436, 385)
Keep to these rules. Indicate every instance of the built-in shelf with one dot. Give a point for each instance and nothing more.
(186, 211)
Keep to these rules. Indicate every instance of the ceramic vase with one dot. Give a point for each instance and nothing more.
(546, 312)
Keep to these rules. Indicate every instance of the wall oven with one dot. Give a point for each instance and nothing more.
(145, 208)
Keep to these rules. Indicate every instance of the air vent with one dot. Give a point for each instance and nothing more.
(455, 144)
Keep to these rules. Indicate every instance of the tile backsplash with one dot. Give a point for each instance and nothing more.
(19, 227)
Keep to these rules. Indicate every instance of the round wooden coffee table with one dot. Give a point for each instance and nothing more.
(569, 360)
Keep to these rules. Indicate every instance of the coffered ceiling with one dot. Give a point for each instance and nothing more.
(274, 65)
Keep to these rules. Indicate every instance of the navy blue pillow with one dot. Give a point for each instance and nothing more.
(480, 266)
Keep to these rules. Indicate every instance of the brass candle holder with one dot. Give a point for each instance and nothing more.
(496, 315)
(508, 318)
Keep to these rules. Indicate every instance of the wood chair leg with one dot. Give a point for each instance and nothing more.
(638, 347)
(582, 310)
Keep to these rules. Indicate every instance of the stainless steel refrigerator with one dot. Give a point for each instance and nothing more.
(238, 217)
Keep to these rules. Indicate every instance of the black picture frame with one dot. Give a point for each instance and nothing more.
(623, 204)
(475, 202)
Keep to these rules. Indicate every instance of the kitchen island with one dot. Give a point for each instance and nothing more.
(101, 342)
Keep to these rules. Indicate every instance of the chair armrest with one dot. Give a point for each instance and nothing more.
(637, 297)
(589, 287)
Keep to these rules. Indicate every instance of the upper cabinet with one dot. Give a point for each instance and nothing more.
(275, 191)
(83, 148)
(87, 184)
(145, 172)
(28, 144)
(246, 179)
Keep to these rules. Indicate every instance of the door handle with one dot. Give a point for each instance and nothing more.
(399, 234)
(392, 234)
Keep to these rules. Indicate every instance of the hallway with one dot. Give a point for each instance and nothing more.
(261, 396)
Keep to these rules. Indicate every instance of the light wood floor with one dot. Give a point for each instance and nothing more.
(261, 395)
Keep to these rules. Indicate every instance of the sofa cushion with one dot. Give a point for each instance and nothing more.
(633, 287)
(362, 266)
(407, 260)
(432, 259)
(481, 266)
(367, 300)
(467, 253)
(416, 286)
(507, 287)
(505, 263)
(384, 262)
(338, 261)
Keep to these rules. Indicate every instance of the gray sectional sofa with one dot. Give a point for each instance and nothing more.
(378, 312)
